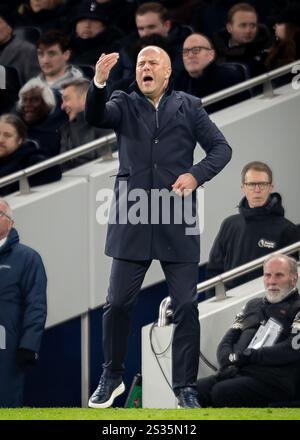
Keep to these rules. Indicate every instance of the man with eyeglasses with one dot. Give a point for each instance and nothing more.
(258, 229)
(203, 75)
(23, 309)
(198, 53)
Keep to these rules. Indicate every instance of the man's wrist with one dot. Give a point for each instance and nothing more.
(99, 85)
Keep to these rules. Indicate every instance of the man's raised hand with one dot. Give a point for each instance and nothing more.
(104, 66)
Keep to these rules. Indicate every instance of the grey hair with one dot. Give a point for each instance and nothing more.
(292, 263)
(8, 210)
(81, 85)
(46, 92)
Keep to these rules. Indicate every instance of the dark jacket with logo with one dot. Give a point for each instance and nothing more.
(23, 312)
(251, 234)
(155, 147)
(277, 365)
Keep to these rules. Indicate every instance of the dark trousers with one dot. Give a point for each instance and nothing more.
(125, 282)
(239, 391)
(11, 376)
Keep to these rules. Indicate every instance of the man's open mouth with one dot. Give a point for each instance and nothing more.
(147, 80)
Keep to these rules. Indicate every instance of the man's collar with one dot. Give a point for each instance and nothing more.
(232, 43)
(134, 88)
(158, 102)
(3, 241)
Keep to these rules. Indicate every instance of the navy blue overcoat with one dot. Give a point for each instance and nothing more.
(155, 147)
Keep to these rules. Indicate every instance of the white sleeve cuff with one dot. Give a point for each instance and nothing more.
(98, 85)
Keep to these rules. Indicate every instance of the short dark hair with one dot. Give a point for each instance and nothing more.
(244, 7)
(153, 7)
(16, 122)
(54, 36)
(257, 166)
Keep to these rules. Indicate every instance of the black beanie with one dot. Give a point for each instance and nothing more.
(6, 15)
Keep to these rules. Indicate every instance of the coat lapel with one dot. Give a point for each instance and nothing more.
(144, 112)
(169, 108)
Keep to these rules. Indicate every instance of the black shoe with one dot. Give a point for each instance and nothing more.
(106, 392)
(187, 398)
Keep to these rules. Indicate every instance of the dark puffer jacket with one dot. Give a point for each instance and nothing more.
(251, 234)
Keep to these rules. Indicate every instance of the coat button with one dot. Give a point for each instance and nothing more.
(156, 141)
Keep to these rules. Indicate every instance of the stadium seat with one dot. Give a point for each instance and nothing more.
(238, 71)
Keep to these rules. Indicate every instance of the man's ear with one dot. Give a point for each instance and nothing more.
(67, 54)
(167, 25)
(229, 27)
(212, 55)
(295, 279)
(168, 72)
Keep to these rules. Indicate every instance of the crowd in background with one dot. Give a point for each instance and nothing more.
(49, 48)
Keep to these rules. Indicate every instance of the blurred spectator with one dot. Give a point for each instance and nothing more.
(17, 152)
(77, 131)
(244, 40)
(151, 18)
(120, 13)
(45, 14)
(258, 229)
(54, 52)
(14, 51)
(286, 48)
(92, 34)
(182, 11)
(23, 309)
(259, 355)
(37, 107)
(210, 16)
(203, 76)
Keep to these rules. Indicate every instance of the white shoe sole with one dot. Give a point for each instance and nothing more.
(117, 392)
(182, 407)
